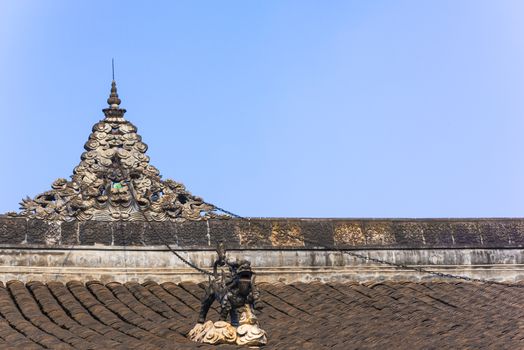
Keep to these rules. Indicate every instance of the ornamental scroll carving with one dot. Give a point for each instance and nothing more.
(115, 181)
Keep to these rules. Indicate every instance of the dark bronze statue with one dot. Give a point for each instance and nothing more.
(233, 288)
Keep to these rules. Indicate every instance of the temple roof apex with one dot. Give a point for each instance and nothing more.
(115, 181)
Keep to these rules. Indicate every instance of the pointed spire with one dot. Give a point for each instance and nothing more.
(113, 99)
(114, 112)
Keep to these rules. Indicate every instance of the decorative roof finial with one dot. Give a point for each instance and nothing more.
(114, 112)
(115, 181)
(113, 99)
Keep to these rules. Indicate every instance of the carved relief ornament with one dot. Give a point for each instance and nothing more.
(115, 181)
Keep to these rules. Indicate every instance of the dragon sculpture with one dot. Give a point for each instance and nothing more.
(114, 181)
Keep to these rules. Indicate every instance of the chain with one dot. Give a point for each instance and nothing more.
(184, 260)
(385, 262)
(426, 271)
(343, 251)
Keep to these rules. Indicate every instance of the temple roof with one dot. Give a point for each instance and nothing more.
(115, 181)
(387, 315)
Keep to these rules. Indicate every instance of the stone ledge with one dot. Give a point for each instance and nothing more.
(504, 273)
(270, 265)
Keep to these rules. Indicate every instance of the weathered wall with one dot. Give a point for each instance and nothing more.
(273, 233)
(157, 264)
(280, 249)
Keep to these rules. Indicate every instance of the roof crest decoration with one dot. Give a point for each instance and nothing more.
(115, 181)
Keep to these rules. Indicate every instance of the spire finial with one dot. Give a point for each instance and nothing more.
(113, 99)
(114, 111)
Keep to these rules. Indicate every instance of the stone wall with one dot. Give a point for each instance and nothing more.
(160, 265)
(286, 250)
(272, 233)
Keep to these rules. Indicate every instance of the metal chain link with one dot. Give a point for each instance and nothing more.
(347, 252)
(384, 262)
(185, 261)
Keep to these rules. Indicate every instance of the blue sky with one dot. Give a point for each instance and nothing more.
(278, 108)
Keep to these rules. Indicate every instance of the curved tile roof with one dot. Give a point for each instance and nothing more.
(389, 315)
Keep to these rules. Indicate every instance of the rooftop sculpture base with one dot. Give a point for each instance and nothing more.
(248, 333)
